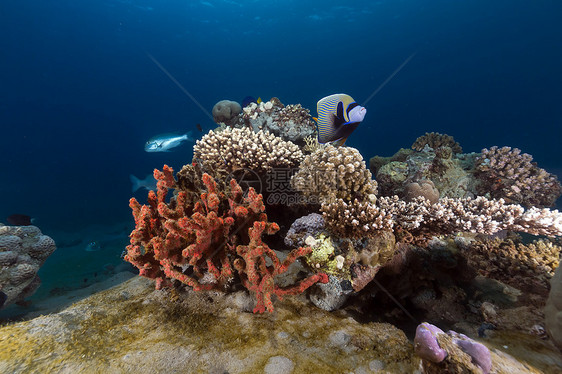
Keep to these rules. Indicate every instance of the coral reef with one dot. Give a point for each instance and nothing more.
(23, 250)
(332, 172)
(233, 149)
(436, 140)
(291, 122)
(509, 174)
(553, 309)
(225, 111)
(494, 173)
(202, 244)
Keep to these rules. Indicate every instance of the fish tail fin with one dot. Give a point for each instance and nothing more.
(338, 142)
(188, 136)
(136, 182)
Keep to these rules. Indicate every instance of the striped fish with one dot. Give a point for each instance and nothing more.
(338, 116)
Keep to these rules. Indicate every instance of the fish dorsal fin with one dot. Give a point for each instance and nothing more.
(329, 118)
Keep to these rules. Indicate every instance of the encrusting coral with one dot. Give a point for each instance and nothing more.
(510, 174)
(203, 244)
(234, 148)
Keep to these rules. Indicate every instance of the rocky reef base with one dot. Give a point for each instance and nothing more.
(133, 328)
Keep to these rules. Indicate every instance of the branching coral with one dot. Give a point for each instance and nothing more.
(201, 244)
(482, 215)
(332, 172)
(447, 216)
(507, 173)
(242, 148)
(355, 219)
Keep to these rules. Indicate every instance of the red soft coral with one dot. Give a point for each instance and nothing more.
(200, 244)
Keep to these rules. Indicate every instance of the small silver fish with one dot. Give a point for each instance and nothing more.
(165, 142)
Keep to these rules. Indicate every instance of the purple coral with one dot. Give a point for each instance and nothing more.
(426, 345)
(309, 225)
(479, 353)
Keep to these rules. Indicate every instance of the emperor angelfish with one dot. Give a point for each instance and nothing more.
(165, 142)
(338, 116)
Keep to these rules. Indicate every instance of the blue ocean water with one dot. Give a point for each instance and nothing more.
(79, 94)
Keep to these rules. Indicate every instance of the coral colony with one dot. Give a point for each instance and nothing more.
(431, 204)
(206, 235)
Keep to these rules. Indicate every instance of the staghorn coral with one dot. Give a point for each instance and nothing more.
(527, 267)
(332, 172)
(291, 122)
(509, 174)
(233, 149)
(23, 250)
(202, 244)
(436, 140)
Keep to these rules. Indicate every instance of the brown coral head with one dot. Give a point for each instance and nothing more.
(422, 188)
(436, 140)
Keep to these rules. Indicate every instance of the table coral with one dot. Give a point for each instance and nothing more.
(202, 244)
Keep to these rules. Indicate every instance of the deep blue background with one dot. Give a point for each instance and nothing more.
(79, 95)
